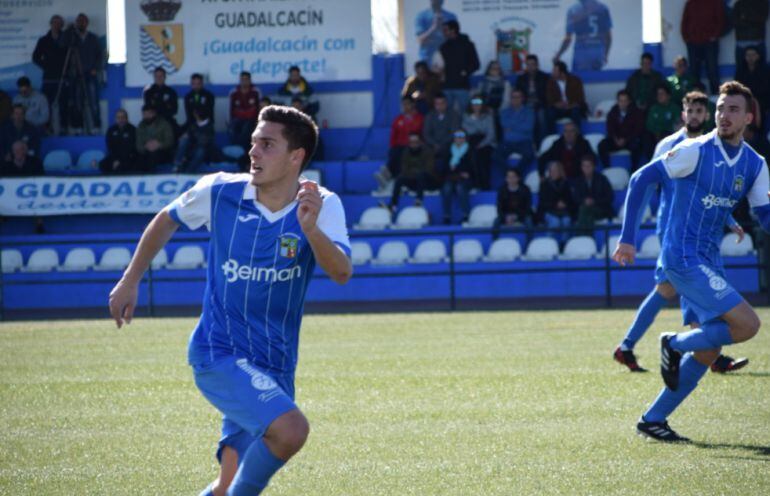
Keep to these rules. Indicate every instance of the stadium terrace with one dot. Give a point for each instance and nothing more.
(308, 17)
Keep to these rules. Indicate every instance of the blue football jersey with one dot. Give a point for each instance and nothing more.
(666, 187)
(707, 186)
(588, 20)
(259, 267)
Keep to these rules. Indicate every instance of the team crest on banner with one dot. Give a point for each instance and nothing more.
(289, 245)
(162, 45)
(513, 43)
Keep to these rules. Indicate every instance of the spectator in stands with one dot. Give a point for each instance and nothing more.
(663, 118)
(625, 127)
(428, 28)
(681, 81)
(460, 61)
(556, 206)
(749, 18)
(162, 98)
(495, 89)
(50, 53)
(567, 150)
(711, 107)
(197, 146)
(35, 103)
(703, 22)
(5, 106)
(422, 87)
(440, 123)
(514, 202)
(457, 177)
(84, 76)
(21, 163)
(479, 126)
(265, 101)
(518, 124)
(755, 74)
(565, 96)
(18, 129)
(593, 195)
(122, 157)
(154, 140)
(642, 83)
(244, 110)
(297, 86)
(197, 98)
(757, 140)
(533, 83)
(409, 121)
(418, 171)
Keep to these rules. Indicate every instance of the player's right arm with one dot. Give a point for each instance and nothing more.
(125, 293)
(759, 198)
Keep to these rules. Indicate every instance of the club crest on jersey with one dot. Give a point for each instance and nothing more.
(289, 245)
(738, 184)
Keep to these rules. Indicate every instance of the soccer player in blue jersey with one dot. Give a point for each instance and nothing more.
(694, 115)
(590, 22)
(268, 229)
(711, 175)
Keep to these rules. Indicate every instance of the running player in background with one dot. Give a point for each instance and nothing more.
(590, 22)
(711, 175)
(268, 230)
(694, 115)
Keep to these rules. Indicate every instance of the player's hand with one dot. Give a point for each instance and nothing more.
(624, 254)
(123, 299)
(737, 229)
(310, 202)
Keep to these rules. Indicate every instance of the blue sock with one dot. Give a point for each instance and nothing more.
(645, 316)
(711, 335)
(690, 372)
(207, 492)
(257, 466)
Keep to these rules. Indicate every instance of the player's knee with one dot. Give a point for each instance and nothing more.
(746, 328)
(666, 290)
(287, 434)
(707, 357)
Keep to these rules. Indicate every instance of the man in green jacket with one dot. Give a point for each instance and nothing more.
(662, 118)
(681, 81)
(418, 171)
(154, 140)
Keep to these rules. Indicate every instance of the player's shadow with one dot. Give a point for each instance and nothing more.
(755, 374)
(761, 451)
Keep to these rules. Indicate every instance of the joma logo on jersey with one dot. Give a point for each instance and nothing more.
(717, 201)
(234, 272)
(289, 245)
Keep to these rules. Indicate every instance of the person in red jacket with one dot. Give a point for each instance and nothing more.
(244, 110)
(409, 121)
(703, 22)
(625, 127)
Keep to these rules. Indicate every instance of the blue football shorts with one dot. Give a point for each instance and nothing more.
(704, 291)
(248, 397)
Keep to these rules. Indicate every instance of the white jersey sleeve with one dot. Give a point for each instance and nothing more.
(682, 160)
(758, 193)
(331, 221)
(193, 207)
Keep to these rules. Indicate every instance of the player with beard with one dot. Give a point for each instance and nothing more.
(695, 114)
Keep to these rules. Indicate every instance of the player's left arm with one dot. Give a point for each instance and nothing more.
(323, 223)
(758, 198)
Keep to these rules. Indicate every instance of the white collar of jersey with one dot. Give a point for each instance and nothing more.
(730, 161)
(250, 193)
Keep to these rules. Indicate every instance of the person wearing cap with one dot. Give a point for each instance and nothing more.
(36, 104)
(457, 176)
(154, 140)
(479, 124)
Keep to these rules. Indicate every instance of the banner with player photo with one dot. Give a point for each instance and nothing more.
(329, 40)
(23, 22)
(91, 195)
(589, 35)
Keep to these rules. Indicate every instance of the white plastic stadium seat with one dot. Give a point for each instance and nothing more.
(731, 248)
(57, 161)
(392, 253)
(160, 260)
(541, 249)
(78, 259)
(429, 251)
(482, 216)
(89, 160)
(503, 250)
(411, 218)
(233, 152)
(360, 252)
(533, 181)
(594, 139)
(602, 109)
(579, 248)
(613, 242)
(312, 175)
(12, 260)
(42, 260)
(374, 218)
(115, 258)
(617, 176)
(467, 251)
(546, 143)
(187, 257)
(650, 247)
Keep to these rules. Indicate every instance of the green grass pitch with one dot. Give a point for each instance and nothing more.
(499, 403)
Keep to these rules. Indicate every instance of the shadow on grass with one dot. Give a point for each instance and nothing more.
(761, 451)
(755, 374)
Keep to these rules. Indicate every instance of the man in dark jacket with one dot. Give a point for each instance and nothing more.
(460, 61)
(418, 171)
(20, 163)
(567, 150)
(556, 206)
(593, 195)
(514, 202)
(91, 62)
(755, 74)
(122, 157)
(749, 18)
(18, 129)
(197, 98)
(154, 140)
(456, 175)
(625, 126)
(162, 98)
(50, 53)
(197, 146)
(642, 82)
(565, 96)
(534, 84)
